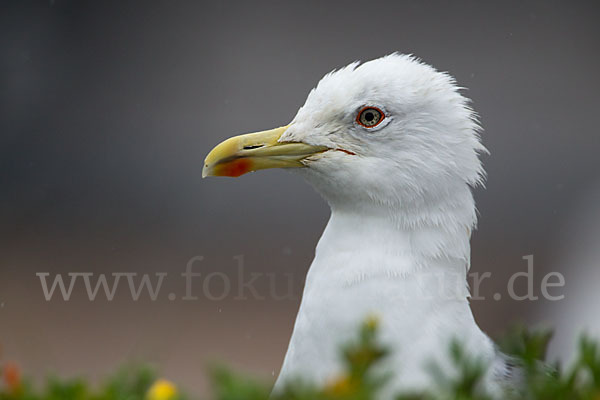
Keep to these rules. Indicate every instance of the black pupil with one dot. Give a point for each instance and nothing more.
(369, 116)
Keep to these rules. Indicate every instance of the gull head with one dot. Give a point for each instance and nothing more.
(389, 131)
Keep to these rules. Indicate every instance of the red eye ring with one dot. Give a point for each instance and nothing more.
(369, 117)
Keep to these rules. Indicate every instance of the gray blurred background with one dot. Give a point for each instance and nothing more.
(108, 109)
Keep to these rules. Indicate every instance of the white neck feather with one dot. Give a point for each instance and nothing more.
(429, 238)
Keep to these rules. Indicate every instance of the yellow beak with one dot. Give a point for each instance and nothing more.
(253, 151)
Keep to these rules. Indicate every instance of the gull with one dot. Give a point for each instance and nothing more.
(393, 147)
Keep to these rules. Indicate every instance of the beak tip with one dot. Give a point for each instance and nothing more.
(205, 171)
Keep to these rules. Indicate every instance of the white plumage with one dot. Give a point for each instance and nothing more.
(397, 243)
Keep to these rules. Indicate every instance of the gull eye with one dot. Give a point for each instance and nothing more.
(370, 117)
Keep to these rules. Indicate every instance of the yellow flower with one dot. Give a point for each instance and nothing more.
(341, 387)
(162, 389)
(372, 322)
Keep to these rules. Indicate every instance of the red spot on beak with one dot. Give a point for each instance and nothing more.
(235, 168)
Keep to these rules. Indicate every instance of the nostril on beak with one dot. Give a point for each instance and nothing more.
(256, 146)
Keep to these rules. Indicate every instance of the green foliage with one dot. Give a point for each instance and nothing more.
(467, 384)
(129, 383)
(228, 386)
(361, 379)
(528, 346)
